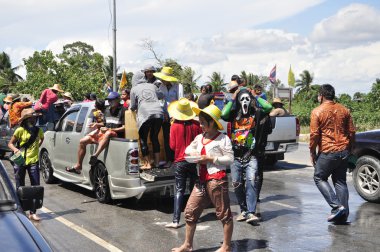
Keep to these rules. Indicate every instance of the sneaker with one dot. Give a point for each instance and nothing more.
(242, 216)
(34, 217)
(251, 218)
(336, 214)
(172, 225)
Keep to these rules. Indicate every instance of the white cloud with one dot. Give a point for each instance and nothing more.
(355, 24)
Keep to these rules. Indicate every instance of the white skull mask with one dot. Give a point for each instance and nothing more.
(245, 101)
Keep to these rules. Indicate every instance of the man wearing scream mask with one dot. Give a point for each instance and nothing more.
(248, 130)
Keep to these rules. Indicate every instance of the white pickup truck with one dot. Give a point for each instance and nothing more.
(115, 176)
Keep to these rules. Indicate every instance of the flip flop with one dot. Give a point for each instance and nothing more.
(73, 169)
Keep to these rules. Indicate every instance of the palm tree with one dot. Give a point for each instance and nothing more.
(305, 82)
(216, 81)
(8, 76)
(188, 79)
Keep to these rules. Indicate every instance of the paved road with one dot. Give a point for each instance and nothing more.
(293, 219)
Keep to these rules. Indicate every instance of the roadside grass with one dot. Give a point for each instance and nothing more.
(305, 129)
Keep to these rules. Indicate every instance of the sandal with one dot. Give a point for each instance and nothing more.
(93, 160)
(73, 169)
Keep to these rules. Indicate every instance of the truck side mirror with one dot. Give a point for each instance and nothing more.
(31, 197)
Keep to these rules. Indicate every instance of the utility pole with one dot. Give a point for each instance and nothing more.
(114, 88)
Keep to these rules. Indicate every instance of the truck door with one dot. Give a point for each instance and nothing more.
(65, 147)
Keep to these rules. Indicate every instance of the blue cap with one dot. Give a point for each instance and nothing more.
(113, 96)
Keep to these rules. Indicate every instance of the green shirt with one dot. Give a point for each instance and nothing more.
(22, 135)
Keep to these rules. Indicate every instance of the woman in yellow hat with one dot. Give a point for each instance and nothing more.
(215, 154)
(182, 132)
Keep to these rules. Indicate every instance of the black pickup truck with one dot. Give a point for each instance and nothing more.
(367, 171)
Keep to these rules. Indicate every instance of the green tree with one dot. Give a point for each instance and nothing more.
(216, 81)
(189, 81)
(8, 76)
(304, 83)
(373, 96)
(78, 69)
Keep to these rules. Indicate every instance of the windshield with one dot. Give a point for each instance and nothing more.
(7, 201)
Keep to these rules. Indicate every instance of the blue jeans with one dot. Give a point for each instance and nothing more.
(34, 176)
(334, 165)
(246, 196)
(183, 170)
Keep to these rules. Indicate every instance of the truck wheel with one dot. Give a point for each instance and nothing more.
(102, 189)
(366, 178)
(46, 168)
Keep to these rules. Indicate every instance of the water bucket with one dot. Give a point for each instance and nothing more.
(18, 159)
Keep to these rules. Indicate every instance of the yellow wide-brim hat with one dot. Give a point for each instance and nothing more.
(57, 87)
(166, 74)
(212, 111)
(182, 109)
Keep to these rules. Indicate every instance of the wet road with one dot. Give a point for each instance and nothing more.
(293, 216)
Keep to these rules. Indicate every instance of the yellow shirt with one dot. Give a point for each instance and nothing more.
(22, 135)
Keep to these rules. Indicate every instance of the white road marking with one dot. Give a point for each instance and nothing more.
(282, 204)
(83, 232)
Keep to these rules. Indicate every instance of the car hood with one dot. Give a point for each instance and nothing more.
(19, 234)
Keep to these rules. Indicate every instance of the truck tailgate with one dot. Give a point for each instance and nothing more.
(284, 129)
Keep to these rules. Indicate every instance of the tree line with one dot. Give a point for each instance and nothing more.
(80, 70)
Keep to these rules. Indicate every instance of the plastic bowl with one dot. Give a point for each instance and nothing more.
(192, 159)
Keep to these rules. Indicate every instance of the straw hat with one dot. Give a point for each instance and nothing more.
(57, 87)
(12, 98)
(68, 94)
(27, 113)
(277, 100)
(181, 109)
(166, 74)
(232, 85)
(212, 111)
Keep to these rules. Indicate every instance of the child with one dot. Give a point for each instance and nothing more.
(29, 139)
(182, 132)
(216, 154)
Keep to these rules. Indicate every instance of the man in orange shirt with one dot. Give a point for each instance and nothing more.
(332, 131)
(16, 106)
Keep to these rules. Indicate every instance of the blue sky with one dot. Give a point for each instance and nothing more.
(336, 40)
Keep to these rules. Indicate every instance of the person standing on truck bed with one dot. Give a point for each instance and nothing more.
(169, 88)
(332, 131)
(248, 126)
(15, 108)
(215, 153)
(145, 99)
(278, 108)
(45, 104)
(182, 132)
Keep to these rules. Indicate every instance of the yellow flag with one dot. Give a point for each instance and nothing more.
(123, 81)
(291, 80)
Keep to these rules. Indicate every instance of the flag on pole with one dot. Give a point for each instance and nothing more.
(291, 80)
(123, 81)
(272, 75)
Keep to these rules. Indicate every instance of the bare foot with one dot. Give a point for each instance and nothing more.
(224, 249)
(183, 248)
(146, 166)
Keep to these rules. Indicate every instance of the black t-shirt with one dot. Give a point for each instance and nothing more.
(115, 119)
(204, 100)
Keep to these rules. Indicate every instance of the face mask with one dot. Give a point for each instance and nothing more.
(245, 100)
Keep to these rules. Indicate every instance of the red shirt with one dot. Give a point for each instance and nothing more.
(182, 133)
(47, 98)
(203, 173)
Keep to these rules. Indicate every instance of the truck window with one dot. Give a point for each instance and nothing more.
(67, 123)
(81, 119)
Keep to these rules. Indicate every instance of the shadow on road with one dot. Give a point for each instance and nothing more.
(283, 165)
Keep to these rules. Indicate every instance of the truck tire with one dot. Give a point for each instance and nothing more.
(101, 186)
(366, 178)
(46, 168)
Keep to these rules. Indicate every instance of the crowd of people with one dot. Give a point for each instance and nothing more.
(154, 97)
